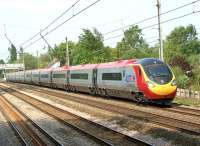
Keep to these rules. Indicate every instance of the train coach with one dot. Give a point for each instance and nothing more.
(142, 80)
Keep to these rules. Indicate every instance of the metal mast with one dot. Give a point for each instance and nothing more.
(67, 53)
(160, 32)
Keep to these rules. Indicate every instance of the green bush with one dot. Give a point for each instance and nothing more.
(181, 78)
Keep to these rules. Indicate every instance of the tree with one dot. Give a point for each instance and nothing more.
(182, 41)
(44, 60)
(59, 52)
(13, 53)
(90, 48)
(30, 61)
(132, 44)
(2, 61)
(21, 51)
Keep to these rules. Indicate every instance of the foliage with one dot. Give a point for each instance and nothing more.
(2, 61)
(181, 78)
(187, 101)
(13, 53)
(132, 44)
(59, 52)
(182, 41)
(43, 60)
(181, 62)
(30, 61)
(90, 48)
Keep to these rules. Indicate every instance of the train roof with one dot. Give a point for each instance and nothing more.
(149, 61)
(114, 64)
(120, 63)
(63, 68)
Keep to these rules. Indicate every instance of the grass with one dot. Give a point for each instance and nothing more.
(187, 101)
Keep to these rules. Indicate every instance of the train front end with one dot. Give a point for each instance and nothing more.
(158, 83)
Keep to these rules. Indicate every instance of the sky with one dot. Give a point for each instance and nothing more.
(21, 19)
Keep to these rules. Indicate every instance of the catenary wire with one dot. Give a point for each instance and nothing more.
(150, 26)
(146, 19)
(74, 15)
(63, 13)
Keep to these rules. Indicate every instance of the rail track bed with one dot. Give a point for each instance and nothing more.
(99, 133)
(26, 130)
(182, 125)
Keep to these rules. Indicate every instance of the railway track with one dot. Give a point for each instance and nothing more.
(184, 110)
(23, 126)
(101, 134)
(174, 108)
(173, 123)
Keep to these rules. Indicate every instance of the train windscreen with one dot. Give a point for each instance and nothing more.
(159, 73)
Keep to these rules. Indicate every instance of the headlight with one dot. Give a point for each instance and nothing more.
(150, 84)
(173, 83)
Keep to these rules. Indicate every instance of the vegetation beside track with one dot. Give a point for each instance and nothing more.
(187, 101)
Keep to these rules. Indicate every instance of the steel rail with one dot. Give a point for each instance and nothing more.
(174, 108)
(52, 139)
(35, 139)
(15, 129)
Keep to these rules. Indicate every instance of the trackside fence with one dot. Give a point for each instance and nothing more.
(188, 93)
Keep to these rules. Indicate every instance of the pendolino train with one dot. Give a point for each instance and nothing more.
(142, 80)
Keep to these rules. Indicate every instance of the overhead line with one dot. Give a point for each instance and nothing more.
(150, 26)
(74, 15)
(50, 23)
(146, 19)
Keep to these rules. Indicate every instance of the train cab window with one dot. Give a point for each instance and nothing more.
(83, 76)
(112, 76)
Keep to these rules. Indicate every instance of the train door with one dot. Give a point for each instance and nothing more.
(51, 78)
(68, 76)
(94, 78)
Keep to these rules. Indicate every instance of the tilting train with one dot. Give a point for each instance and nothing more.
(142, 80)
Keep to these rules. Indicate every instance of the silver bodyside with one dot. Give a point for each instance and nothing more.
(22, 75)
(128, 82)
(45, 81)
(27, 78)
(17, 76)
(81, 82)
(59, 82)
(35, 80)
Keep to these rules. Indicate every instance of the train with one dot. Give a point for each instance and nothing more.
(147, 80)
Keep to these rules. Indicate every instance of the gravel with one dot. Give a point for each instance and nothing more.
(7, 135)
(93, 114)
(152, 133)
(65, 135)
